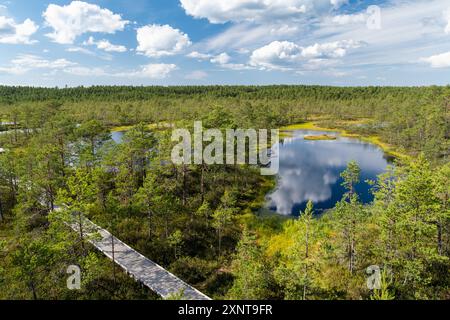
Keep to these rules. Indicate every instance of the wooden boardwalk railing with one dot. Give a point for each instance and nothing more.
(150, 274)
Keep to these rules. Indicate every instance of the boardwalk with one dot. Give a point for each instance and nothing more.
(155, 277)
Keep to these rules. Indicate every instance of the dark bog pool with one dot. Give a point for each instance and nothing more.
(310, 170)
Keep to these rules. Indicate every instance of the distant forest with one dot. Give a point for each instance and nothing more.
(413, 118)
(10, 94)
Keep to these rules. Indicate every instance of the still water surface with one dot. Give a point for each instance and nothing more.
(310, 170)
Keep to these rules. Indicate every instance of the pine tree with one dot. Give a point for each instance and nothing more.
(252, 277)
(349, 215)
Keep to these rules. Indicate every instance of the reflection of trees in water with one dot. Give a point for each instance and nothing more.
(311, 170)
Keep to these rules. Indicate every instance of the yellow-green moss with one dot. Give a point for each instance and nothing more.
(151, 126)
(387, 148)
(121, 128)
(320, 137)
(305, 126)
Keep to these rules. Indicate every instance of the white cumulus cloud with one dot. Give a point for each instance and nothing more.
(224, 61)
(151, 71)
(80, 50)
(16, 33)
(105, 45)
(221, 11)
(336, 49)
(338, 3)
(344, 19)
(26, 62)
(285, 55)
(35, 62)
(161, 40)
(70, 21)
(438, 61)
(199, 55)
(221, 59)
(276, 55)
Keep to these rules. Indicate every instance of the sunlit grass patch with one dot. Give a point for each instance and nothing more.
(304, 126)
(121, 128)
(151, 126)
(320, 137)
(387, 148)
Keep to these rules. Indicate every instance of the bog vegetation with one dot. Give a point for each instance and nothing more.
(201, 222)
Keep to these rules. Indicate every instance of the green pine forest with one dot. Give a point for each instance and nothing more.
(204, 223)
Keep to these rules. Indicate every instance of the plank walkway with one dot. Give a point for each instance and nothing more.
(147, 272)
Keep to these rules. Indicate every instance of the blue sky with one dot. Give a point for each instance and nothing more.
(201, 42)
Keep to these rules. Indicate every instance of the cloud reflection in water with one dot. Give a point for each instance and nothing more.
(310, 170)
